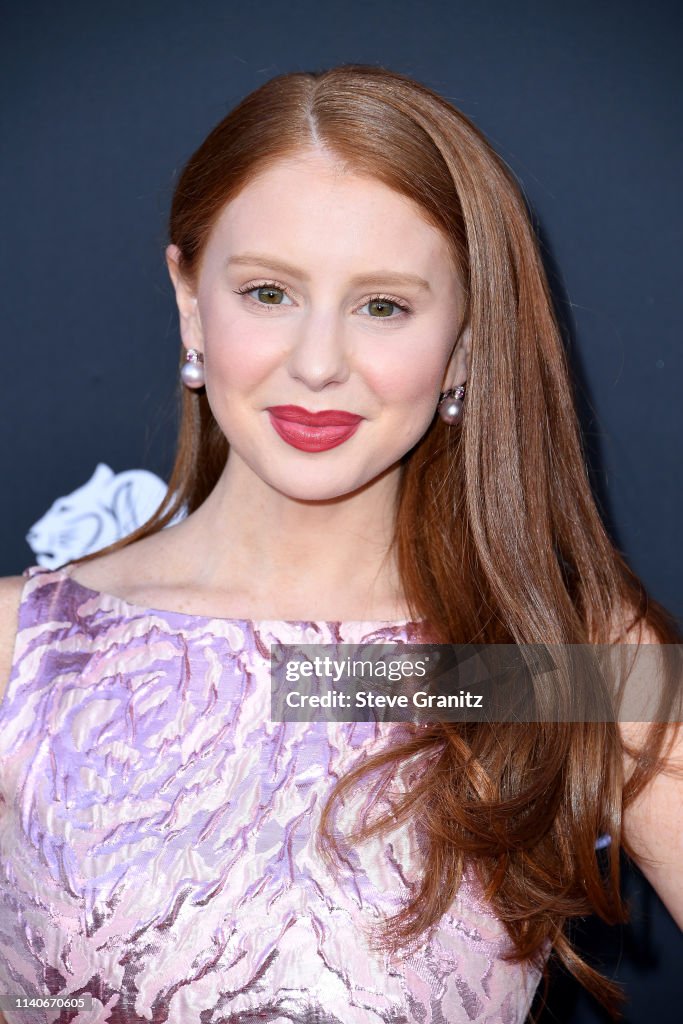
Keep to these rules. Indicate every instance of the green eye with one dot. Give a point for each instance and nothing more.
(381, 307)
(272, 296)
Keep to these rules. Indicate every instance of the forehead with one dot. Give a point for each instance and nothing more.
(312, 207)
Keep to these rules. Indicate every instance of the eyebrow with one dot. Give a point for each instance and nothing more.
(381, 276)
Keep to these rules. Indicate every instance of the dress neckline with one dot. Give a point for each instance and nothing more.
(113, 602)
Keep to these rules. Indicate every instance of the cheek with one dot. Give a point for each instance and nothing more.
(409, 379)
(238, 350)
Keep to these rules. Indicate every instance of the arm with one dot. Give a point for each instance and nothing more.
(10, 596)
(653, 822)
(653, 825)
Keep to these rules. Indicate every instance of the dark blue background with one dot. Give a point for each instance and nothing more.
(102, 104)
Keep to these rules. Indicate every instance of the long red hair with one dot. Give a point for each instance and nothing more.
(497, 533)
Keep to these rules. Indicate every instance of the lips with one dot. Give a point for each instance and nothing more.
(313, 431)
(325, 418)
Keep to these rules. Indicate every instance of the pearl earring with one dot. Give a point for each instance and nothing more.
(451, 404)
(192, 370)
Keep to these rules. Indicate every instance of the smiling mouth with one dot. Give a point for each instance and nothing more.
(324, 418)
(327, 430)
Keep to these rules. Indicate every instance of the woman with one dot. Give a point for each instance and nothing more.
(378, 443)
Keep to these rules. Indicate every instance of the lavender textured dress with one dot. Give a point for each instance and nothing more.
(157, 835)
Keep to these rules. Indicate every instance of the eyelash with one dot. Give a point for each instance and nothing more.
(252, 286)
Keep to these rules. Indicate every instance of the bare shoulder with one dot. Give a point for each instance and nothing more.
(644, 673)
(153, 572)
(11, 588)
(131, 572)
(104, 572)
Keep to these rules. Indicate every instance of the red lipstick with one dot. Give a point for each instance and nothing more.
(313, 431)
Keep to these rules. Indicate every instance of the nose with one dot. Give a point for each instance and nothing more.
(319, 356)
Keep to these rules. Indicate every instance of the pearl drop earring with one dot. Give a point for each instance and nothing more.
(451, 405)
(192, 370)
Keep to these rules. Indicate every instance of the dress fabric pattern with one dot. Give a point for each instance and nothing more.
(157, 835)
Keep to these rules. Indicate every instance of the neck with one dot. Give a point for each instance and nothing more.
(332, 558)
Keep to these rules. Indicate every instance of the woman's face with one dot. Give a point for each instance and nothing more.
(321, 290)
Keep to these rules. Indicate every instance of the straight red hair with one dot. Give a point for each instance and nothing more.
(497, 533)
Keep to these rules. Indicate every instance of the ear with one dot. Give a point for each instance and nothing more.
(458, 367)
(190, 321)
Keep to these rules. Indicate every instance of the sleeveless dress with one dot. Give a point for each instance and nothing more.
(157, 835)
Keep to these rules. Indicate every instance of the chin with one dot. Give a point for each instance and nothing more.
(316, 487)
(316, 492)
